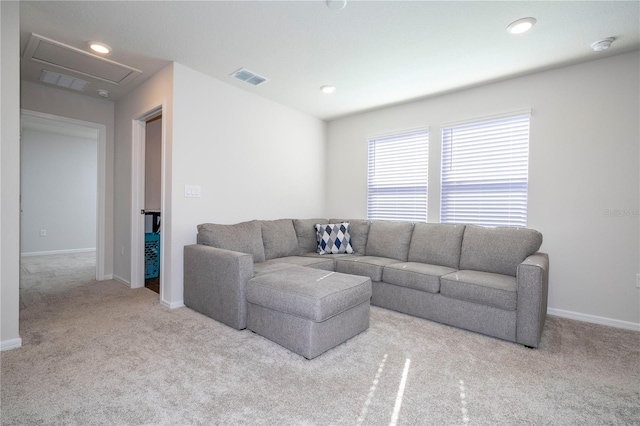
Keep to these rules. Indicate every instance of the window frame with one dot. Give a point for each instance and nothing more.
(411, 195)
(504, 200)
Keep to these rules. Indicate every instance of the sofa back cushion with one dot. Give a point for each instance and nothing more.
(359, 231)
(306, 233)
(497, 250)
(436, 244)
(245, 237)
(279, 238)
(389, 239)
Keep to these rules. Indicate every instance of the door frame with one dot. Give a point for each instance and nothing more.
(137, 199)
(102, 179)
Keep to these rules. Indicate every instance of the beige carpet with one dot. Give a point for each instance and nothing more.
(98, 353)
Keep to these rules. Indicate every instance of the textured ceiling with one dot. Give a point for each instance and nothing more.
(376, 53)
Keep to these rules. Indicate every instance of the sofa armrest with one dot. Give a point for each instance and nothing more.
(533, 288)
(214, 283)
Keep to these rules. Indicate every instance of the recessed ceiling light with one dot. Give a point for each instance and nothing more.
(521, 25)
(603, 44)
(96, 46)
(328, 89)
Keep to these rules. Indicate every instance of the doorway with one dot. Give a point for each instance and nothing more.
(63, 175)
(152, 201)
(148, 194)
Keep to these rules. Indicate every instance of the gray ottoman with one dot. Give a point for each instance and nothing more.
(308, 311)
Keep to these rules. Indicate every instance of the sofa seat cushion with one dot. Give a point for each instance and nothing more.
(486, 288)
(419, 276)
(245, 237)
(308, 293)
(319, 262)
(330, 255)
(367, 266)
(333, 257)
(269, 267)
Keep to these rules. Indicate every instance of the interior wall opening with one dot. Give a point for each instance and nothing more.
(62, 198)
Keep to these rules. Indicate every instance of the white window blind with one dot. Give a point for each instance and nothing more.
(397, 177)
(484, 172)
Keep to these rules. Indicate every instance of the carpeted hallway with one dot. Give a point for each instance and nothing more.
(99, 353)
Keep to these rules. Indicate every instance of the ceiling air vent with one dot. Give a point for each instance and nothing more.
(249, 77)
(63, 80)
(51, 52)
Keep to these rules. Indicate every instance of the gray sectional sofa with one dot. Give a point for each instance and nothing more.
(488, 280)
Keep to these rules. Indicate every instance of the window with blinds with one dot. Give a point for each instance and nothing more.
(484, 172)
(397, 177)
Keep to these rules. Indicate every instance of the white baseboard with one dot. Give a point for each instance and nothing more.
(173, 305)
(627, 325)
(46, 253)
(121, 280)
(5, 345)
(107, 277)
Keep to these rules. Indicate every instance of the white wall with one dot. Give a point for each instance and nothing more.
(59, 191)
(9, 174)
(584, 152)
(50, 100)
(252, 158)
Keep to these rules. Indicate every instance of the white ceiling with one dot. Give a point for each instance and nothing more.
(376, 53)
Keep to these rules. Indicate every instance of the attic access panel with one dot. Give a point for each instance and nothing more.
(51, 52)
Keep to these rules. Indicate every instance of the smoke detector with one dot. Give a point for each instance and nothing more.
(603, 44)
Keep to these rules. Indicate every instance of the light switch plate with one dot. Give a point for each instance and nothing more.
(192, 191)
